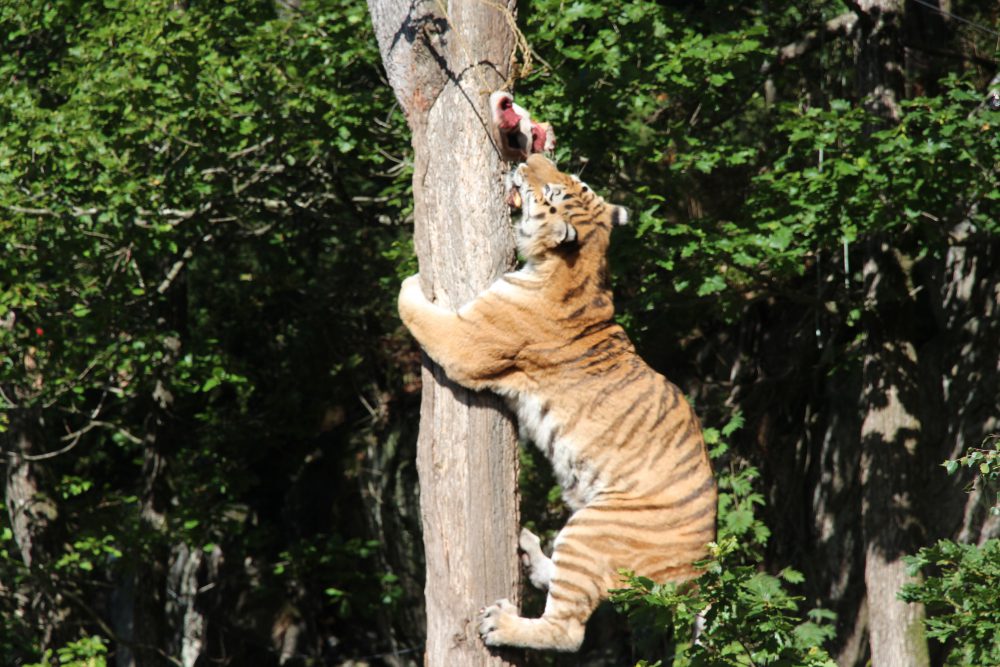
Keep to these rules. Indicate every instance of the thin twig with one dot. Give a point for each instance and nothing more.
(74, 438)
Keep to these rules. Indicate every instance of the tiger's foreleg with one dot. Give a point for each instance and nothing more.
(469, 352)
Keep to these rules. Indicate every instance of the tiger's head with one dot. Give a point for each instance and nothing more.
(559, 212)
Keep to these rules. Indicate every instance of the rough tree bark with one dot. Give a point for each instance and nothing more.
(34, 521)
(392, 511)
(892, 445)
(891, 434)
(441, 61)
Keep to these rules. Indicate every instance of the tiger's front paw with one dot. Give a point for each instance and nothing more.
(497, 622)
(411, 296)
(410, 285)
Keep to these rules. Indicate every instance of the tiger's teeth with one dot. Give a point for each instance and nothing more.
(514, 198)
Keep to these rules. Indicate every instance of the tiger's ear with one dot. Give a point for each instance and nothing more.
(619, 216)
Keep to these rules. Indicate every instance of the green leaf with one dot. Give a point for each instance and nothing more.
(792, 576)
(712, 285)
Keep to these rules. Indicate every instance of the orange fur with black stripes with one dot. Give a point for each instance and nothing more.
(625, 445)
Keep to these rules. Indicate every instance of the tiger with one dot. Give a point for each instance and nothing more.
(625, 445)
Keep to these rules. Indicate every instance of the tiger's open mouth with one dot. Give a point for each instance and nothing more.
(514, 197)
(514, 182)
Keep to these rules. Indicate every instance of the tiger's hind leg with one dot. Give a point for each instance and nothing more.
(539, 566)
(577, 581)
(557, 629)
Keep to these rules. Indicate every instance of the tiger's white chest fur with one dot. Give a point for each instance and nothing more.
(580, 481)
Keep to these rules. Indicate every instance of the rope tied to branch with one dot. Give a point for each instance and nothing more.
(521, 44)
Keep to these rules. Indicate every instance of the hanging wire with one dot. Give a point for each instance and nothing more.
(977, 26)
(520, 44)
(847, 266)
(819, 274)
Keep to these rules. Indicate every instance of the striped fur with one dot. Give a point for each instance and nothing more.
(625, 445)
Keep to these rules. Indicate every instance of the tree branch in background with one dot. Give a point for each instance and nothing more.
(837, 27)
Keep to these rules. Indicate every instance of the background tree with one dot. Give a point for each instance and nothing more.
(193, 376)
(891, 451)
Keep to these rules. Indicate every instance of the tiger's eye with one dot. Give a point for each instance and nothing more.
(552, 209)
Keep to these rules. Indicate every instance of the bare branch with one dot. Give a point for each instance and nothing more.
(46, 212)
(178, 266)
(8, 403)
(249, 149)
(837, 27)
(72, 438)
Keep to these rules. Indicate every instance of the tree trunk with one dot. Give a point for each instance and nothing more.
(968, 313)
(442, 68)
(34, 522)
(891, 447)
(30, 511)
(388, 486)
(891, 434)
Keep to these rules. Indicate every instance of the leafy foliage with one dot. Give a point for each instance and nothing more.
(961, 589)
(189, 195)
(86, 652)
(745, 616)
(961, 582)
(735, 195)
(986, 463)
